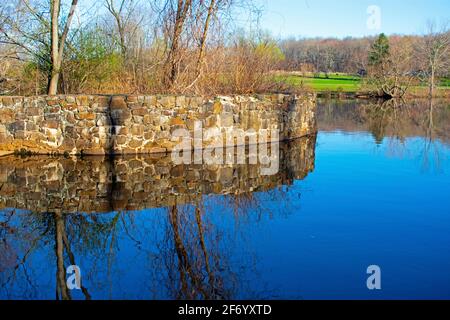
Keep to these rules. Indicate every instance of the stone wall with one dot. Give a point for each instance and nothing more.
(97, 184)
(97, 125)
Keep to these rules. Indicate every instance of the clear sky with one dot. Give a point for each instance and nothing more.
(341, 18)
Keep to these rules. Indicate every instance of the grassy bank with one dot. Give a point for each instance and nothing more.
(323, 83)
(345, 83)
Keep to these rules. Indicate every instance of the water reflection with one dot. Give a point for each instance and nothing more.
(394, 121)
(42, 184)
(142, 228)
(178, 252)
(397, 119)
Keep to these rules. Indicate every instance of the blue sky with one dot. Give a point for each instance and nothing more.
(341, 18)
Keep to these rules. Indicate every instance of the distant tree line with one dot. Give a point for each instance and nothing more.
(326, 55)
(390, 65)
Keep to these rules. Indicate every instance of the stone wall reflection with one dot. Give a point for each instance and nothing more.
(69, 185)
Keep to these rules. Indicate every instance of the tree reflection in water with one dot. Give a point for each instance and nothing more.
(141, 228)
(394, 120)
(174, 249)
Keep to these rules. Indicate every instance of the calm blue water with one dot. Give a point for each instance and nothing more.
(367, 191)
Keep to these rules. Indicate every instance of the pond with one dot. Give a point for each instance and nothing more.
(372, 188)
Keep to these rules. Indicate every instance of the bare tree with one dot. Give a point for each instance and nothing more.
(182, 10)
(24, 36)
(58, 42)
(435, 51)
(211, 8)
(32, 29)
(201, 55)
(123, 12)
(390, 60)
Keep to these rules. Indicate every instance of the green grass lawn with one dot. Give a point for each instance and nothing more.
(335, 82)
(445, 82)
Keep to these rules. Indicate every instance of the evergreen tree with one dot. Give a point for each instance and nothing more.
(379, 50)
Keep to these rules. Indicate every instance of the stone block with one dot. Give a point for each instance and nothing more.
(118, 102)
(226, 120)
